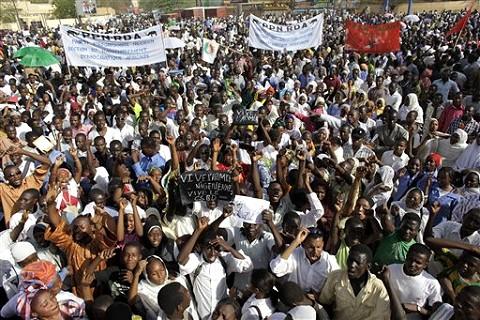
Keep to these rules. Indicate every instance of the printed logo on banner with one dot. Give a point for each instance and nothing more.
(91, 49)
(291, 37)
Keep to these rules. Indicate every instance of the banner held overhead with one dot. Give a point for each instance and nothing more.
(291, 37)
(90, 49)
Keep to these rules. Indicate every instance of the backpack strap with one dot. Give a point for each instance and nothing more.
(260, 317)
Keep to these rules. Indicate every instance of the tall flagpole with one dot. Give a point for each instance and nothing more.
(410, 7)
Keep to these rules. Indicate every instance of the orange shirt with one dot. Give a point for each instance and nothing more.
(9, 194)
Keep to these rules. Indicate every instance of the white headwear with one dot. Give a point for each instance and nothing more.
(21, 250)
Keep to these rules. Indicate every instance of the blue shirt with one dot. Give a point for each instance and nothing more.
(142, 167)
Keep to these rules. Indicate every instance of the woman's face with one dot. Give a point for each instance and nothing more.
(156, 174)
(142, 199)
(156, 272)
(130, 223)
(455, 138)
(471, 181)
(443, 178)
(155, 237)
(362, 208)
(44, 305)
(430, 165)
(433, 126)
(413, 199)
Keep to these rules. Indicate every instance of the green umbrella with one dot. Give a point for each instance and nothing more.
(38, 58)
(26, 50)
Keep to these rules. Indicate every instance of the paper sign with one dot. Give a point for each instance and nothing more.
(249, 209)
(205, 186)
(43, 144)
(245, 117)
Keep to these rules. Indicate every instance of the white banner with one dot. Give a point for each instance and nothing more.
(291, 37)
(90, 49)
(209, 50)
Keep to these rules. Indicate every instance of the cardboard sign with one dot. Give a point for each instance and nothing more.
(249, 209)
(206, 186)
(245, 117)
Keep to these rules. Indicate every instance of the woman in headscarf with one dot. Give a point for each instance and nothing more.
(379, 107)
(302, 106)
(429, 141)
(452, 148)
(413, 201)
(471, 184)
(443, 192)
(382, 189)
(411, 104)
(145, 291)
(470, 157)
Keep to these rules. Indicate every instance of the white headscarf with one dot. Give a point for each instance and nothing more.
(386, 174)
(450, 152)
(148, 291)
(470, 158)
(420, 210)
(413, 105)
(464, 191)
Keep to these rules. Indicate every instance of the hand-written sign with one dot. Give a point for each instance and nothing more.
(205, 186)
(245, 117)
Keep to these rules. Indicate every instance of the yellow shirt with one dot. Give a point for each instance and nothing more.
(371, 303)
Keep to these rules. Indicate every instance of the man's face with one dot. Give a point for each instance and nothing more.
(115, 149)
(457, 100)
(130, 257)
(14, 177)
(100, 121)
(11, 132)
(400, 148)
(408, 230)
(313, 248)
(414, 166)
(415, 263)
(80, 142)
(75, 121)
(27, 201)
(82, 230)
(100, 145)
(357, 265)
(466, 307)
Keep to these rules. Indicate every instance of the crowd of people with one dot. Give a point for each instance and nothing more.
(370, 164)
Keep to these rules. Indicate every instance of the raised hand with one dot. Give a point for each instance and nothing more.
(107, 253)
(202, 223)
(141, 266)
(435, 208)
(267, 216)
(217, 145)
(302, 235)
(171, 140)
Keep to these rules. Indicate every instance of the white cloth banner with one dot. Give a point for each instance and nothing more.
(296, 36)
(90, 49)
(249, 209)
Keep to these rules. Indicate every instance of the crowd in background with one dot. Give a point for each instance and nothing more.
(370, 164)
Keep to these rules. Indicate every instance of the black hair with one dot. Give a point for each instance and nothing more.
(291, 216)
(420, 249)
(235, 305)
(208, 235)
(99, 138)
(298, 197)
(134, 244)
(95, 192)
(148, 142)
(291, 294)
(412, 216)
(115, 142)
(99, 307)
(263, 280)
(362, 249)
(33, 192)
(169, 297)
(119, 311)
(448, 171)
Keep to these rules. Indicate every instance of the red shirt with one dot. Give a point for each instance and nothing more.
(449, 114)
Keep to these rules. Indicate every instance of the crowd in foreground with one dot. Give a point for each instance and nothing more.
(369, 163)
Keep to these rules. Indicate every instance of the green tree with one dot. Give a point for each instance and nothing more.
(8, 13)
(64, 9)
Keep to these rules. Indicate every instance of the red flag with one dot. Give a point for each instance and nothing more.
(370, 38)
(458, 27)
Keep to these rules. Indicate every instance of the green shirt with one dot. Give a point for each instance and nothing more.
(392, 249)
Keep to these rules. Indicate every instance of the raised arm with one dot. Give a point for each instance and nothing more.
(78, 165)
(255, 174)
(173, 151)
(188, 247)
(267, 216)
(40, 158)
(133, 292)
(354, 192)
(52, 211)
(216, 150)
(121, 220)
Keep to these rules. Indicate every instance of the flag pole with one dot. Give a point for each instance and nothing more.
(458, 38)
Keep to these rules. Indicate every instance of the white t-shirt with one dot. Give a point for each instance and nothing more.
(421, 290)
(264, 305)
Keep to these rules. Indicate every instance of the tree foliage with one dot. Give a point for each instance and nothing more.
(7, 12)
(64, 9)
